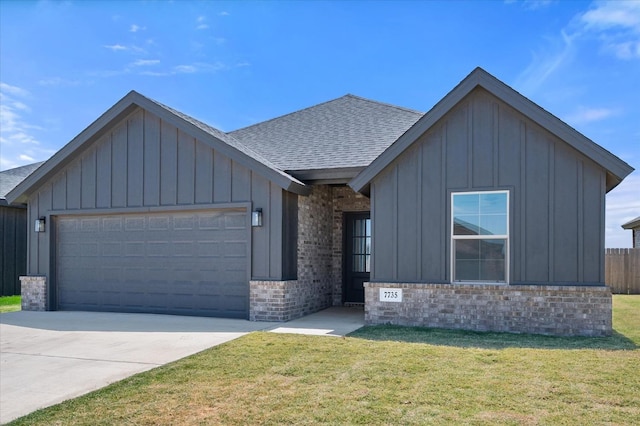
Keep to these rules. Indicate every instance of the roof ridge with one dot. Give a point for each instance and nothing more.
(384, 103)
(288, 114)
(39, 163)
(348, 95)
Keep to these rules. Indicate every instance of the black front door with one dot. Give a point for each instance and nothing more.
(357, 255)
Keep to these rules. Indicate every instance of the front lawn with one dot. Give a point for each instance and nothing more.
(9, 304)
(443, 377)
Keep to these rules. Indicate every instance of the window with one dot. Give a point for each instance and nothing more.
(361, 245)
(480, 236)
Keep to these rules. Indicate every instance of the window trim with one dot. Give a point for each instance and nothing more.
(505, 237)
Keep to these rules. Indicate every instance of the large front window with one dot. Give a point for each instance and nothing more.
(480, 236)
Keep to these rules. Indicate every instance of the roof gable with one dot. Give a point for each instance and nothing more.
(615, 167)
(220, 141)
(344, 133)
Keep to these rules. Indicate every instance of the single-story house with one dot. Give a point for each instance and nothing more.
(13, 231)
(634, 226)
(485, 213)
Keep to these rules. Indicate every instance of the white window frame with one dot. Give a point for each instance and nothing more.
(480, 237)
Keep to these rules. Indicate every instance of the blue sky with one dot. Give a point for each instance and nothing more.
(232, 64)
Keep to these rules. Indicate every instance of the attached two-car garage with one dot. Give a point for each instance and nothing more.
(186, 263)
(149, 210)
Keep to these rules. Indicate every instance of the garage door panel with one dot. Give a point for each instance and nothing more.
(210, 222)
(90, 225)
(210, 249)
(235, 249)
(110, 248)
(234, 222)
(133, 224)
(111, 224)
(179, 263)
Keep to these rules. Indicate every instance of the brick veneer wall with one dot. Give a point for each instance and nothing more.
(275, 300)
(314, 249)
(544, 309)
(311, 292)
(34, 293)
(320, 240)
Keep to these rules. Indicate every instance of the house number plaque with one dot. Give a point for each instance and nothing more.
(391, 295)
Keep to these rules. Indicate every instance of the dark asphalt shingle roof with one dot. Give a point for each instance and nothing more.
(346, 132)
(9, 179)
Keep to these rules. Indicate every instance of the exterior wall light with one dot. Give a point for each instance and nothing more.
(39, 224)
(256, 217)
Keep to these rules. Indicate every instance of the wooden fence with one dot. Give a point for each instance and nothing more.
(622, 270)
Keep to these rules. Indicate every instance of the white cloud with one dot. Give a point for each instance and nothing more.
(545, 63)
(135, 28)
(21, 106)
(13, 90)
(58, 81)
(201, 23)
(198, 67)
(588, 115)
(17, 135)
(24, 157)
(185, 69)
(536, 4)
(613, 14)
(624, 50)
(224, 13)
(156, 73)
(122, 48)
(116, 47)
(145, 62)
(617, 25)
(623, 204)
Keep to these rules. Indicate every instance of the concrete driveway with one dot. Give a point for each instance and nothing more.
(49, 357)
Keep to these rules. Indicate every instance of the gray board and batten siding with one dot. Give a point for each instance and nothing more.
(13, 245)
(13, 231)
(556, 197)
(142, 164)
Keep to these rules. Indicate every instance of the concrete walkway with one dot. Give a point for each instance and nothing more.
(49, 357)
(336, 321)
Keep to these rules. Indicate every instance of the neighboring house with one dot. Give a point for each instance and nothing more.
(634, 225)
(13, 231)
(485, 213)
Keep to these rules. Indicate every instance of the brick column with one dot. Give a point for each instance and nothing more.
(275, 300)
(34, 293)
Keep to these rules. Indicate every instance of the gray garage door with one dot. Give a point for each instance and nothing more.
(192, 263)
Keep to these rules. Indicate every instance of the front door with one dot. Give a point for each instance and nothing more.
(357, 260)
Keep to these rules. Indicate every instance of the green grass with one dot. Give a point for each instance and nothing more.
(9, 304)
(626, 335)
(383, 375)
